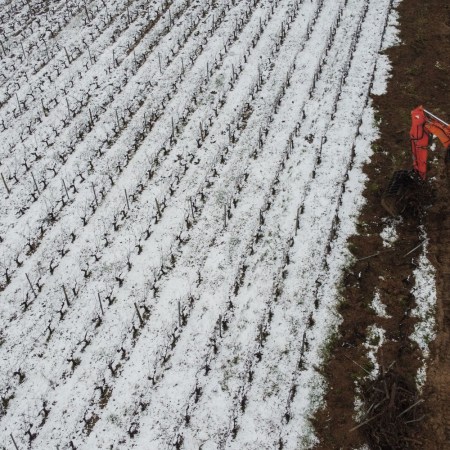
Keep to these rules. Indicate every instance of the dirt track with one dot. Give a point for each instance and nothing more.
(420, 75)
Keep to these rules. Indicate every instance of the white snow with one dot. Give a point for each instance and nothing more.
(378, 306)
(424, 292)
(189, 174)
(375, 339)
(389, 233)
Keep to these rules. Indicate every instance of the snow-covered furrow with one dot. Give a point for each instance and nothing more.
(35, 50)
(183, 264)
(350, 200)
(25, 25)
(174, 281)
(109, 92)
(300, 305)
(140, 214)
(236, 358)
(104, 166)
(83, 81)
(306, 387)
(236, 213)
(78, 256)
(107, 169)
(50, 49)
(89, 366)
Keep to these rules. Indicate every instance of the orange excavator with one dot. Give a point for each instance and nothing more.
(405, 185)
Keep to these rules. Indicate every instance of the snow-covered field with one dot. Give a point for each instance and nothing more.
(179, 179)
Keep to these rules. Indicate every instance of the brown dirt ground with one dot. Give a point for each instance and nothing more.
(420, 76)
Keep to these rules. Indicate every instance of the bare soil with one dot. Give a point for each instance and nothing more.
(420, 76)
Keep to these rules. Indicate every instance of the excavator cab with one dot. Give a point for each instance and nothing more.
(407, 189)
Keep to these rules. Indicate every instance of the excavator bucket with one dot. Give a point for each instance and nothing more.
(397, 195)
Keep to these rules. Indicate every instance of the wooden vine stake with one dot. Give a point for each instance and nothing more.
(91, 120)
(101, 304)
(126, 198)
(138, 314)
(68, 107)
(35, 184)
(6, 186)
(192, 207)
(89, 53)
(95, 194)
(117, 119)
(67, 55)
(65, 188)
(31, 285)
(3, 48)
(23, 50)
(13, 441)
(18, 103)
(66, 296)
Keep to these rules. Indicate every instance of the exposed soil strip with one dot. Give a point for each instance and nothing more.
(420, 76)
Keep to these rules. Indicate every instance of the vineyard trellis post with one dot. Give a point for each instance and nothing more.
(65, 188)
(3, 48)
(95, 194)
(89, 53)
(127, 199)
(6, 186)
(66, 296)
(67, 55)
(13, 441)
(23, 50)
(18, 103)
(31, 285)
(101, 304)
(35, 184)
(141, 322)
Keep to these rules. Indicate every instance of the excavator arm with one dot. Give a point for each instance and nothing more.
(423, 125)
(406, 189)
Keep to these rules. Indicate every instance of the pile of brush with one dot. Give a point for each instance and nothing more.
(392, 407)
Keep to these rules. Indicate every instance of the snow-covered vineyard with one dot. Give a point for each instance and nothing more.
(178, 182)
